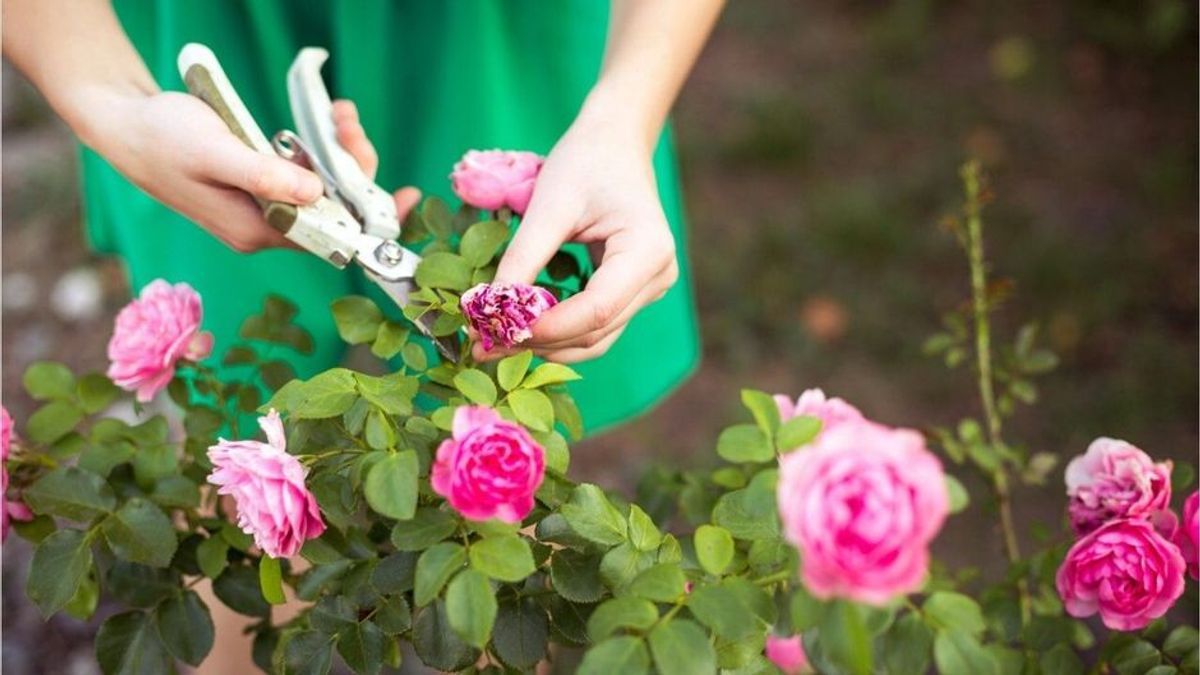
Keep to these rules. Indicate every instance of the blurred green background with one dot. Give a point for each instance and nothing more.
(820, 144)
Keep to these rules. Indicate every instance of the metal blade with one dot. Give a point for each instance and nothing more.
(399, 291)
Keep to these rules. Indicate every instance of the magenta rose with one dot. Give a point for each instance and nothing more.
(152, 334)
(1187, 537)
(831, 411)
(12, 509)
(504, 313)
(495, 179)
(861, 504)
(267, 484)
(787, 653)
(490, 468)
(1126, 571)
(1112, 480)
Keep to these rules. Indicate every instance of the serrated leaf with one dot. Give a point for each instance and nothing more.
(140, 532)
(127, 644)
(680, 647)
(642, 532)
(532, 408)
(426, 528)
(744, 443)
(471, 607)
(444, 270)
(48, 380)
(511, 369)
(521, 633)
(60, 564)
(185, 627)
(476, 386)
(481, 242)
(391, 486)
(434, 568)
(624, 654)
(70, 493)
(503, 558)
(714, 548)
(357, 318)
(53, 421)
(797, 432)
(626, 612)
(576, 575)
(593, 517)
(549, 373)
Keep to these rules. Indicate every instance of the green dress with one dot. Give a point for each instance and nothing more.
(431, 79)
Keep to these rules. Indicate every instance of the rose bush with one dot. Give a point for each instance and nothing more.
(430, 503)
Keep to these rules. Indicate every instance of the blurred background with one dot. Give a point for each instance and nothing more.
(820, 144)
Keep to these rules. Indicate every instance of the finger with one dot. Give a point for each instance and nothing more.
(233, 217)
(543, 230)
(406, 198)
(647, 295)
(495, 353)
(228, 161)
(353, 137)
(577, 354)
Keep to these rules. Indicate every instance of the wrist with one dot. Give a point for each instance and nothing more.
(97, 112)
(607, 111)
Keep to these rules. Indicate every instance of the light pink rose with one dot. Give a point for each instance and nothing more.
(861, 504)
(494, 179)
(1187, 537)
(1114, 479)
(831, 411)
(504, 314)
(267, 484)
(1126, 571)
(490, 468)
(787, 653)
(152, 334)
(13, 509)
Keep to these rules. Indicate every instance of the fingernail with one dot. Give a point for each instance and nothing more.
(307, 187)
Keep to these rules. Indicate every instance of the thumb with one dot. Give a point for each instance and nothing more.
(229, 161)
(542, 231)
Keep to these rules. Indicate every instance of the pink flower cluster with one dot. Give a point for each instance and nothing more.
(490, 468)
(861, 503)
(267, 484)
(504, 314)
(12, 509)
(495, 179)
(153, 333)
(1129, 562)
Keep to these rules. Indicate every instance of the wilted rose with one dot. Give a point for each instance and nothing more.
(267, 484)
(489, 468)
(152, 334)
(861, 504)
(1113, 480)
(1126, 571)
(494, 179)
(504, 313)
(1187, 537)
(787, 653)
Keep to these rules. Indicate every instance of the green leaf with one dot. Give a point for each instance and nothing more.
(503, 558)
(154, 462)
(622, 563)
(797, 432)
(1180, 642)
(959, 498)
(1061, 660)
(476, 386)
(957, 651)
(96, 392)
(714, 548)
(413, 355)
(806, 611)
(329, 394)
(239, 589)
(626, 612)
(140, 532)
(1136, 658)
(680, 647)
(378, 432)
(391, 486)
(47, 380)
(70, 493)
(907, 646)
(481, 242)
(444, 270)
(434, 568)
(642, 533)
(60, 564)
(437, 218)
(306, 652)
(176, 492)
(734, 609)
(361, 646)
(276, 374)
(744, 443)
(663, 582)
(625, 654)
(846, 641)
(747, 514)
(436, 642)
(471, 607)
(532, 408)
(427, 527)
(185, 627)
(140, 585)
(511, 370)
(550, 373)
(211, 555)
(270, 580)
(946, 609)
(127, 644)
(53, 421)
(357, 318)
(521, 633)
(593, 517)
(393, 615)
(764, 409)
(390, 338)
(576, 575)
(392, 394)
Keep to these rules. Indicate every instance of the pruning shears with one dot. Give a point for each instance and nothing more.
(355, 220)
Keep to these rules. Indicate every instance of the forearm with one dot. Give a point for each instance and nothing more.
(76, 53)
(652, 45)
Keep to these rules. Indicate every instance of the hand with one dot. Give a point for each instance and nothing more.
(596, 187)
(178, 150)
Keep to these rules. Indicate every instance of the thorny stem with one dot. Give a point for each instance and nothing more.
(983, 356)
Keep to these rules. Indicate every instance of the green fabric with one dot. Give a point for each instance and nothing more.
(431, 80)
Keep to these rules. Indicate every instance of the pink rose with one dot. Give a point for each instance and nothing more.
(267, 484)
(493, 179)
(831, 411)
(787, 653)
(154, 332)
(12, 509)
(504, 313)
(861, 504)
(1187, 537)
(1112, 480)
(1125, 570)
(491, 468)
